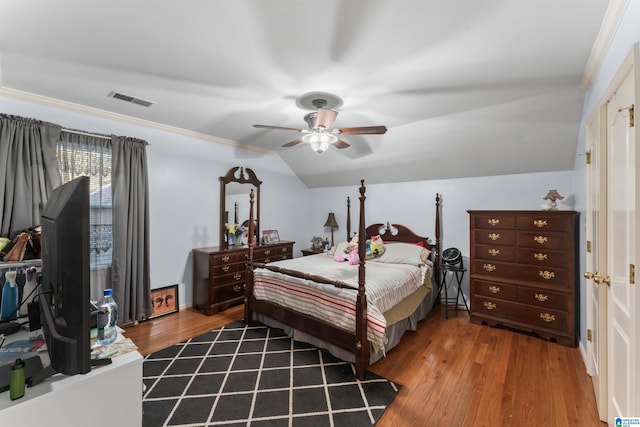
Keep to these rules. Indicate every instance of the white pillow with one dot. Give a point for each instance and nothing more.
(403, 253)
(338, 248)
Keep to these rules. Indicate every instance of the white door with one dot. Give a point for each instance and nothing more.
(596, 294)
(621, 249)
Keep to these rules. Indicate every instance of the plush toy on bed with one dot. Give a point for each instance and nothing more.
(374, 247)
(350, 252)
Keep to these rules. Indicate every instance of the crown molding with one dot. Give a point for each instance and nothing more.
(610, 22)
(103, 114)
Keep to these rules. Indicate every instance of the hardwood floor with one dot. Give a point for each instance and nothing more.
(452, 372)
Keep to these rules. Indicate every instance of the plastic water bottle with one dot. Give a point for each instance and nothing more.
(107, 319)
(9, 304)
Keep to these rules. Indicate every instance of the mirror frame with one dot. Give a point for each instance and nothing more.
(237, 174)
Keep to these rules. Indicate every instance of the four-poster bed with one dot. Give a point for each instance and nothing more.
(297, 295)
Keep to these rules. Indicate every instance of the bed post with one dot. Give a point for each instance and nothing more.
(348, 219)
(436, 260)
(248, 288)
(362, 343)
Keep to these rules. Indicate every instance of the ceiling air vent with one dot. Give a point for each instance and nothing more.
(129, 98)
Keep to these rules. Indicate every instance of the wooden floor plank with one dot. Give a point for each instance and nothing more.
(452, 372)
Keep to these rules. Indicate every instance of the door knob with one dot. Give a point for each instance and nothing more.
(588, 275)
(600, 280)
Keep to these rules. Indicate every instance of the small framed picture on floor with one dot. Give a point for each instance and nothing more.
(164, 301)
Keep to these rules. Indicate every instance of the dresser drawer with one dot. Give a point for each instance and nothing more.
(228, 279)
(495, 252)
(542, 239)
(541, 257)
(221, 269)
(494, 237)
(272, 253)
(229, 258)
(229, 292)
(523, 315)
(493, 289)
(544, 298)
(541, 222)
(551, 276)
(494, 221)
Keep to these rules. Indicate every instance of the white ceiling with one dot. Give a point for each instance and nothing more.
(466, 87)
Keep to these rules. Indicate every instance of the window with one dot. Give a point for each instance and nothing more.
(85, 155)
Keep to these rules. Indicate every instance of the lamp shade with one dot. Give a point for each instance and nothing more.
(331, 221)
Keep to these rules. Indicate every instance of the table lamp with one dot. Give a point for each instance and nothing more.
(331, 222)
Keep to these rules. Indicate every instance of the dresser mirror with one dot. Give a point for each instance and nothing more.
(235, 188)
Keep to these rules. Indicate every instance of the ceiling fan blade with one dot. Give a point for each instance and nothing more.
(276, 128)
(341, 144)
(292, 143)
(325, 117)
(364, 130)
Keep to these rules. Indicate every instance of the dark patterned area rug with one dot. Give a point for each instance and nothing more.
(254, 375)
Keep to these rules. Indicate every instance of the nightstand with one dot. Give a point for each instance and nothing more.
(310, 251)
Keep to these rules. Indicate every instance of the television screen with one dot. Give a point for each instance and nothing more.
(65, 295)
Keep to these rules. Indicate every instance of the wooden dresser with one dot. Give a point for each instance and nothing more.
(219, 273)
(524, 271)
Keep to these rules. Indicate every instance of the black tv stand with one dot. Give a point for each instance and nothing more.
(49, 371)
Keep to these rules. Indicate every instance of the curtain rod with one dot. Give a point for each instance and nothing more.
(85, 133)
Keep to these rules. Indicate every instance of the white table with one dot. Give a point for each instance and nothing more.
(109, 395)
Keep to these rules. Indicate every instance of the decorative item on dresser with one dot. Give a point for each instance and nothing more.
(219, 273)
(523, 271)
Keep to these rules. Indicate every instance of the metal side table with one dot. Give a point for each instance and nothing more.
(452, 272)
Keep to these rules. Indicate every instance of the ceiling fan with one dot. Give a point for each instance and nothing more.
(320, 135)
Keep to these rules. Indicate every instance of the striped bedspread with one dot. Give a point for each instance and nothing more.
(386, 285)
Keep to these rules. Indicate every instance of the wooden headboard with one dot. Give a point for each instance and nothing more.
(397, 233)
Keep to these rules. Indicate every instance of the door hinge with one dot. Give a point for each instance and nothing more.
(631, 109)
(588, 246)
(588, 157)
(632, 274)
(589, 335)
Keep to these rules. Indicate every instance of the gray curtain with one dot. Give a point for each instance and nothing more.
(28, 157)
(130, 269)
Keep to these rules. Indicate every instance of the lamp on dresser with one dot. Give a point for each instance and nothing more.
(332, 223)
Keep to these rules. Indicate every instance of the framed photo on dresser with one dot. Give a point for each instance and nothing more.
(270, 236)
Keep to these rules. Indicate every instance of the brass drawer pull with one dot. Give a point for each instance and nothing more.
(494, 236)
(267, 252)
(493, 222)
(284, 257)
(547, 317)
(539, 223)
(237, 288)
(237, 276)
(489, 267)
(547, 275)
(494, 289)
(540, 256)
(225, 258)
(267, 260)
(489, 305)
(225, 268)
(284, 249)
(542, 297)
(494, 252)
(541, 239)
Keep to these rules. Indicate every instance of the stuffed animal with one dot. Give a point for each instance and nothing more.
(350, 251)
(377, 246)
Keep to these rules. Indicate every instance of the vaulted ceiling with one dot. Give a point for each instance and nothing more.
(465, 88)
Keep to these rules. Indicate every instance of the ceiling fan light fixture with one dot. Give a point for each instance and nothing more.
(319, 141)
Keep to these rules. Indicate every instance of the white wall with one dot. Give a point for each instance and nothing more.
(626, 36)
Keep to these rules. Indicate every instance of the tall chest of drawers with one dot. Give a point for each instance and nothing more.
(219, 273)
(524, 271)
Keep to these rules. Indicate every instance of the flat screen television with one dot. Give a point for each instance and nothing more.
(65, 294)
